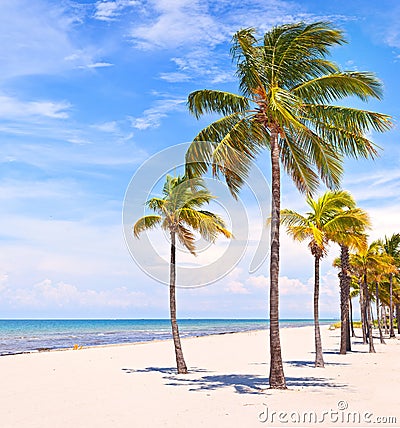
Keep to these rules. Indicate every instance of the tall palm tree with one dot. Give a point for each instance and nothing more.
(331, 215)
(355, 239)
(287, 85)
(352, 239)
(178, 214)
(391, 247)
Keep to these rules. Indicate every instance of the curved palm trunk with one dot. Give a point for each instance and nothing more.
(351, 318)
(345, 344)
(180, 361)
(377, 313)
(276, 375)
(368, 315)
(391, 333)
(319, 358)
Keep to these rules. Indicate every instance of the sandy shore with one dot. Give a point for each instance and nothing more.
(136, 385)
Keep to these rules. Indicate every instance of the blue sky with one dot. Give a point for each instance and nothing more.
(90, 90)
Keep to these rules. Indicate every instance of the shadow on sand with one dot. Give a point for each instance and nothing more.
(312, 363)
(241, 383)
(164, 370)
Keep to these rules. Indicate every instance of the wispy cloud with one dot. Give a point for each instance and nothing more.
(41, 38)
(97, 65)
(152, 117)
(199, 62)
(106, 10)
(198, 28)
(13, 108)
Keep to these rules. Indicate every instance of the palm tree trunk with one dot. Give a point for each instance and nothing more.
(276, 375)
(362, 313)
(385, 319)
(391, 333)
(180, 361)
(345, 344)
(372, 315)
(351, 318)
(377, 312)
(368, 315)
(319, 358)
(348, 335)
(398, 317)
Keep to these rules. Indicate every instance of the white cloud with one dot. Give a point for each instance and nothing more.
(109, 10)
(259, 281)
(13, 108)
(97, 65)
(62, 295)
(175, 76)
(233, 284)
(236, 287)
(173, 24)
(201, 62)
(329, 283)
(197, 27)
(152, 117)
(293, 286)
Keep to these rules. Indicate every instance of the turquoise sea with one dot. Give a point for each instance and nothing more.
(18, 336)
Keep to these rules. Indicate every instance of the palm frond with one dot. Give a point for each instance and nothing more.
(146, 223)
(246, 53)
(331, 87)
(157, 204)
(320, 153)
(209, 226)
(186, 238)
(291, 218)
(298, 166)
(288, 48)
(211, 101)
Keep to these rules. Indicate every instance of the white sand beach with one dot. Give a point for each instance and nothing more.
(136, 385)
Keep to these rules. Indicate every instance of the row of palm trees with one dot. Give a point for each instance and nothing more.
(375, 277)
(334, 217)
(285, 106)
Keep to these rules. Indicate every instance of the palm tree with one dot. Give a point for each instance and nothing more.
(178, 214)
(287, 86)
(391, 247)
(331, 215)
(355, 239)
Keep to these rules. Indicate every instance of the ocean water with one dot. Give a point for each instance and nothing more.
(18, 336)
